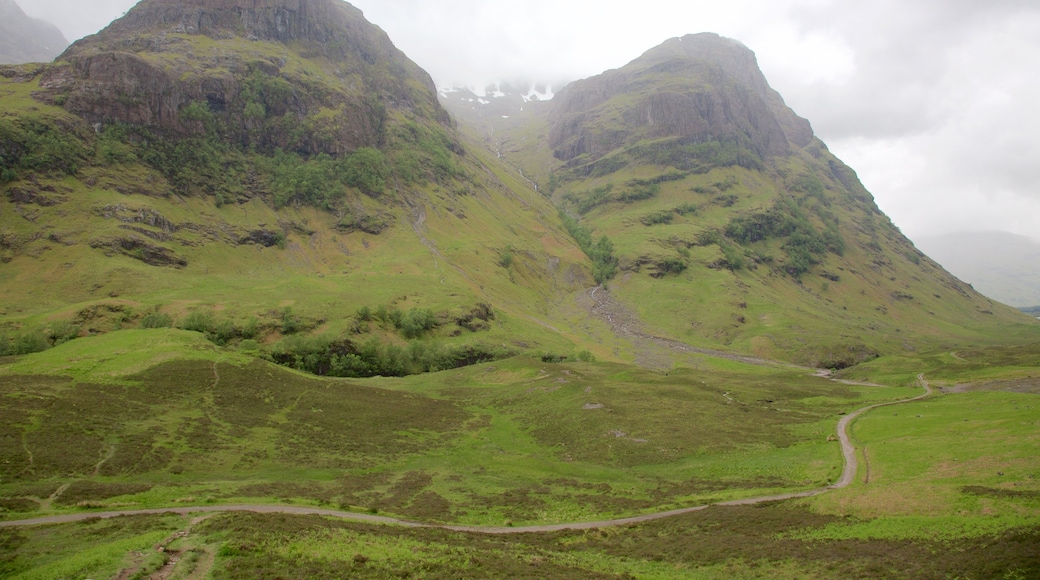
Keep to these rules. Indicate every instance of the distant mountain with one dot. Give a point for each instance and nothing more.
(1001, 265)
(24, 39)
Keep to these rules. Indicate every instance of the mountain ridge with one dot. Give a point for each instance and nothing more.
(703, 180)
(276, 125)
(24, 39)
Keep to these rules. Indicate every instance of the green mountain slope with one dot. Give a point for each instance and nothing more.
(278, 182)
(731, 224)
(238, 163)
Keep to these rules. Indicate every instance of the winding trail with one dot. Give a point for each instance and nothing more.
(847, 475)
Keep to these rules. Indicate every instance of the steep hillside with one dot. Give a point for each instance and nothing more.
(1001, 265)
(727, 222)
(277, 167)
(24, 39)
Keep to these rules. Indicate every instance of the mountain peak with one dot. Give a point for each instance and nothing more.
(315, 57)
(336, 26)
(700, 87)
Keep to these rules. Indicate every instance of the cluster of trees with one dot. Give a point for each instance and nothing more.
(40, 145)
(342, 357)
(321, 181)
(412, 323)
(37, 340)
(804, 244)
(601, 251)
(698, 157)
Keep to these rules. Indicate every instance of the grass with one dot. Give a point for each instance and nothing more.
(516, 440)
(129, 418)
(966, 454)
(734, 542)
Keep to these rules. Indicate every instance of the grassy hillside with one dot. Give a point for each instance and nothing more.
(243, 268)
(730, 225)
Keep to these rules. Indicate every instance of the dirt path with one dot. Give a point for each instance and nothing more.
(651, 350)
(848, 450)
(847, 475)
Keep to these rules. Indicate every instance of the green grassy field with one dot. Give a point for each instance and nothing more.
(149, 417)
(946, 485)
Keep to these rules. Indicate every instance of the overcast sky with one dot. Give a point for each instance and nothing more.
(935, 103)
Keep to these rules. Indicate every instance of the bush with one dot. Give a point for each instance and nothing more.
(156, 320)
(366, 170)
(30, 342)
(417, 321)
(505, 259)
(604, 262)
(291, 324)
(659, 217)
(326, 356)
(62, 332)
(198, 321)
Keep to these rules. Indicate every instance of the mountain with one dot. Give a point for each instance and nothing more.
(278, 168)
(239, 160)
(24, 39)
(725, 222)
(1001, 265)
(248, 259)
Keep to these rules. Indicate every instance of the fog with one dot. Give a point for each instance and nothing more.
(934, 102)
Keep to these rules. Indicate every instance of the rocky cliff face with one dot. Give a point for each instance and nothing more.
(306, 75)
(696, 88)
(24, 39)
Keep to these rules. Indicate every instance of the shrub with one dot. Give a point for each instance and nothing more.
(685, 209)
(416, 321)
(659, 217)
(30, 342)
(367, 170)
(604, 262)
(198, 321)
(251, 328)
(291, 324)
(505, 259)
(62, 332)
(156, 320)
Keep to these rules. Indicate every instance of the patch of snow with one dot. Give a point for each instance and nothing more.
(533, 94)
(505, 116)
(483, 102)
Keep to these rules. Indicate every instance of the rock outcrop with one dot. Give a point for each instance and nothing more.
(307, 75)
(696, 88)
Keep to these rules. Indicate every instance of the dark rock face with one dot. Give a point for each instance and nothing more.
(139, 249)
(24, 39)
(697, 88)
(147, 67)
